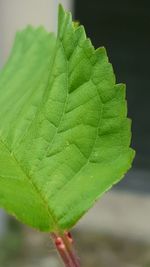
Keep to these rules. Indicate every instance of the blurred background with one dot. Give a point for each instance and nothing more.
(116, 232)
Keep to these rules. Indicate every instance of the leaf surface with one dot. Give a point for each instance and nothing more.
(64, 132)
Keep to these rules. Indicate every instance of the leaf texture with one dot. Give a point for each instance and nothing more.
(64, 131)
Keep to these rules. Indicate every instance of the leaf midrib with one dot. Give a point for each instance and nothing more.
(29, 178)
(88, 159)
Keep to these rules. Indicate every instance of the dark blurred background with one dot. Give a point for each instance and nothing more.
(123, 27)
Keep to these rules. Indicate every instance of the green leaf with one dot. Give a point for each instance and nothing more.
(64, 135)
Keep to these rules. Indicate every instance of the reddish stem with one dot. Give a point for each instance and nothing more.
(65, 248)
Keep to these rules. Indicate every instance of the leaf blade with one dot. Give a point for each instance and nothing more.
(77, 144)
